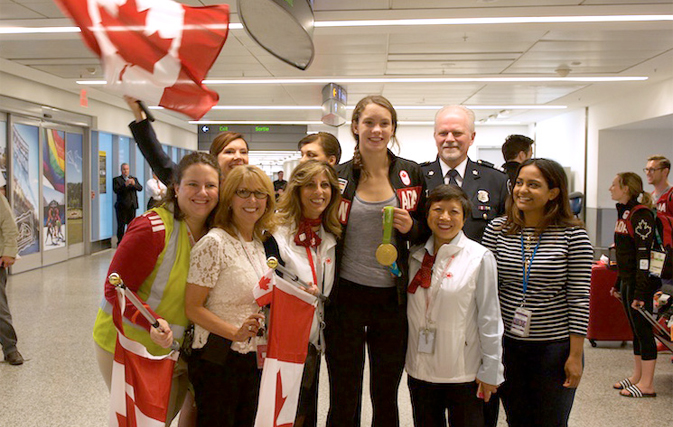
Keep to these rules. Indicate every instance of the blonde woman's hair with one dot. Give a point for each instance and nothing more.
(257, 180)
(634, 186)
(289, 205)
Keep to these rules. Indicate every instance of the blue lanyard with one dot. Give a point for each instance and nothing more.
(526, 274)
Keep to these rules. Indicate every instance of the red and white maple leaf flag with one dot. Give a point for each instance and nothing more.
(141, 382)
(158, 51)
(291, 315)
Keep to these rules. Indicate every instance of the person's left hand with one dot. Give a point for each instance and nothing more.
(162, 336)
(636, 304)
(573, 369)
(131, 181)
(484, 391)
(402, 221)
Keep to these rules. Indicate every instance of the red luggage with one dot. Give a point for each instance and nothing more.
(607, 320)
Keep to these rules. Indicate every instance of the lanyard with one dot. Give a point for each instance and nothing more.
(313, 265)
(526, 273)
(430, 301)
(254, 265)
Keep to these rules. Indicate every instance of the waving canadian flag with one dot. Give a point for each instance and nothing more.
(158, 51)
(291, 317)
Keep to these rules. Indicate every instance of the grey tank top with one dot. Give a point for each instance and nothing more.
(365, 233)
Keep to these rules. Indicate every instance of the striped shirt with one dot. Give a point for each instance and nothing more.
(559, 282)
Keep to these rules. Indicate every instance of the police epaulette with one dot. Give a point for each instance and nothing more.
(489, 165)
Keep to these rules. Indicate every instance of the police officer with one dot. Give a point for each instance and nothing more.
(485, 186)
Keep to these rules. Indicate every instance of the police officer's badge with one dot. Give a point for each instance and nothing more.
(482, 196)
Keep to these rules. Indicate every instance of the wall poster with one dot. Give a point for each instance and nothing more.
(53, 188)
(102, 172)
(74, 188)
(25, 186)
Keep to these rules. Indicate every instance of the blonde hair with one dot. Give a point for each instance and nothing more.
(259, 181)
(289, 205)
(634, 186)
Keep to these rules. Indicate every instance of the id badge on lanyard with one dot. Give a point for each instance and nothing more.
(522, 316)
(427, 334)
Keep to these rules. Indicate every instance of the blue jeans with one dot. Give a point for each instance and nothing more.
(533, 392)
(7, 333)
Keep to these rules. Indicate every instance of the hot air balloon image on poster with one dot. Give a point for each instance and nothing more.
(53, 188)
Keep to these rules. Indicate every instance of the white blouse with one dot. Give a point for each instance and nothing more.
(230, 268)
(464, 311)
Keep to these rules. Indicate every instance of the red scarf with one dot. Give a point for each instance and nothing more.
(305, 235)
(423, 277)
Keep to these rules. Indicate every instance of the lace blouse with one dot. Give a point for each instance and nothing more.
(219, 261)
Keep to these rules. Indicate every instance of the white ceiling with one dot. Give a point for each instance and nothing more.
(501, 50)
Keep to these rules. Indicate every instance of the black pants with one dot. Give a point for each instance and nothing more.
(430, 402)
(533, 392)
(124, 217)
(364, 316)
(643, 337)
(307, 412)
(225, 395)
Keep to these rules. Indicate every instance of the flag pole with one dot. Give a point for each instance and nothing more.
(116, 281)
(272, 262)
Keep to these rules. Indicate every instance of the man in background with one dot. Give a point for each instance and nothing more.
(126, 188)
(8, 251)
(657, 170)
(516, 150)
(279, 185)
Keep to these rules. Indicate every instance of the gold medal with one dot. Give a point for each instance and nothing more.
(386, 254)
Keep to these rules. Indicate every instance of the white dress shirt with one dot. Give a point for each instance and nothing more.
(460, 169)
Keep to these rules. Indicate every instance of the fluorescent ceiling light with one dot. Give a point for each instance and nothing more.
(51, 30)
(255, 122)
(397, 107)
(495, 20)
(411, 22)
(344, 80)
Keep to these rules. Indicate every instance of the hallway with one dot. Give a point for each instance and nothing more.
(59, 385)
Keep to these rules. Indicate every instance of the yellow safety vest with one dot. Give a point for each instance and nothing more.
(163, 290)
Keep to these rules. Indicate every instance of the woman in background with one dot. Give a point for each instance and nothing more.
(544, 272)
(307, 237)
(322, 146)
(225, 267)
(368, 307)
(153, 260)
(633, 239)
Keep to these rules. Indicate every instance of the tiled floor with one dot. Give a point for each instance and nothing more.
(59, 385)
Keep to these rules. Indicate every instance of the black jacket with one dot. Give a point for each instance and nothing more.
(634, 234)
(127, 195)
(162, 165)
(407, 180)
(485, 186)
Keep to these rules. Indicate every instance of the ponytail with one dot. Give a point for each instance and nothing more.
(357, 158)
(646, 199)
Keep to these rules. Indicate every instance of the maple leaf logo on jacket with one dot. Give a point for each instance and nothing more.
(643, 229)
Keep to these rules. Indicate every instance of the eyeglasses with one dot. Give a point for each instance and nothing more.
(648, 170)
(244, 193)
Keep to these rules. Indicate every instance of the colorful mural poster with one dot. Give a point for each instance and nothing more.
(74, 190)
(102, 172)
(53, 188)
(25, 186)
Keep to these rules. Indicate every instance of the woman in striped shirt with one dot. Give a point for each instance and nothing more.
(544, 270)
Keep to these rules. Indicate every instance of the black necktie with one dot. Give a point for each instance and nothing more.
(452, 174)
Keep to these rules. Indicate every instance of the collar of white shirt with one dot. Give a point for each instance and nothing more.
(460, 169)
